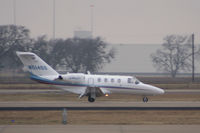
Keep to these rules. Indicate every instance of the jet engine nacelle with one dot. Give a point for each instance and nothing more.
(74, 77)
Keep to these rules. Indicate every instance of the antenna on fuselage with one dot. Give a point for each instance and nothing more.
(88, 72)
(60, 77)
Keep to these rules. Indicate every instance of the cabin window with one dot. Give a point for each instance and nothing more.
(112, 80)
(99, 79)
(119, 80)
(105, 80)
(130, 80)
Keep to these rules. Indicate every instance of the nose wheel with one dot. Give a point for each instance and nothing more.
(145, 99)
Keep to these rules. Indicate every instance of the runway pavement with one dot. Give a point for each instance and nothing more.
(41, 91)
(100, 104)
(99, 128)
(106, 105)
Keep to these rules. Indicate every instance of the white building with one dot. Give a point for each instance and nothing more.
(82, 34)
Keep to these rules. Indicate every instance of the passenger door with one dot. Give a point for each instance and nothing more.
(91, 82)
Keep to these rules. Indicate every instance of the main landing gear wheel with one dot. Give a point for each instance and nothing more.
(145, 99)
(90, 99)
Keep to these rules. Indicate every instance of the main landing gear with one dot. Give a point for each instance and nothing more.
(92, 94)
(145, 99)
(91, 99)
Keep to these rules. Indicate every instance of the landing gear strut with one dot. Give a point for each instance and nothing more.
(90, 99)
(145, 99)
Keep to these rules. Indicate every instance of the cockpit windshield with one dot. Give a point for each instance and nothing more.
(136, 81)
(133, 80)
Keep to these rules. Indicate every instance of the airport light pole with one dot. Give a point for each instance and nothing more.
(91, 21)
(14, 12)
(54, 18)
(192, 57)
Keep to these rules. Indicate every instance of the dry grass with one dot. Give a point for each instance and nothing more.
(187, 86)
(25, 86)
(134, 117)
(101, 117)
(30, 117)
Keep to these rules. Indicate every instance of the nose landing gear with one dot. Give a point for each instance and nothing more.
(145, 99)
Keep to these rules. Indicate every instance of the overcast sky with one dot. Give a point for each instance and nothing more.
(117, 21)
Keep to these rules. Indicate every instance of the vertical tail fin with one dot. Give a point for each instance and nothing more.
(35, 64)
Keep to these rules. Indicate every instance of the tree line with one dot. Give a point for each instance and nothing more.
(82, 55)
(175, 56)
(71, 54)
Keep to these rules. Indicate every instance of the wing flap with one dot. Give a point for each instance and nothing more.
(105, 91)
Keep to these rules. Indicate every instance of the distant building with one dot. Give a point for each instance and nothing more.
(132, 58)
(82, 34)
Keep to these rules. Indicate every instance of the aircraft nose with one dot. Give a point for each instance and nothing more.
(160, 91)
(153, 90)
(156, 90)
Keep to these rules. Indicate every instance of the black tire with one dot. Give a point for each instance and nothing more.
(145, 99)
(90, 99)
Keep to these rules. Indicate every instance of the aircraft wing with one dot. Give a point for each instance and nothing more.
(76, 90)
(85, 91)
(97, 91)
(104, 91)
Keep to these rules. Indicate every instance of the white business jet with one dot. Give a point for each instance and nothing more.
(85, 84)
